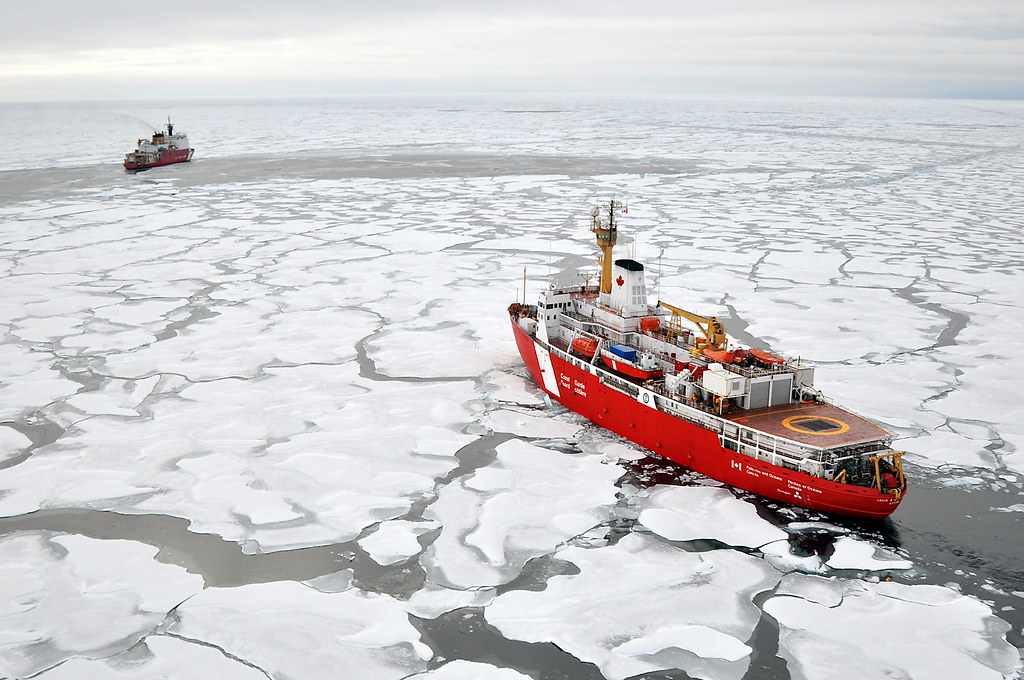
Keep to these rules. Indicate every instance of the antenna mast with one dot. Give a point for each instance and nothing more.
(606, 231)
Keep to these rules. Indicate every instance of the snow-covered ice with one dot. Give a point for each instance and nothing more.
(640, 606)
(307, 350)
(62, 596)
(291, 630)
(691, 513)
(524, 505)
(889, 630)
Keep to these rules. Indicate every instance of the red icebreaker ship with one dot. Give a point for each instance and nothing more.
(744, 417)
(163, 149)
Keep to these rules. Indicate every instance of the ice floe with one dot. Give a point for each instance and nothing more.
(395, 541)
(66, 595)
(291, 630)
(691, 513)
(523, 505)
(541, 426)
(640, 605)
(298, 352)
(851, 553)
(888, 630)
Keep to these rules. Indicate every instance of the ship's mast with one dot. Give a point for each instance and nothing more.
(607, 232)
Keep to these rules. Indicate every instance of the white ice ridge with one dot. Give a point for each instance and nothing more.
(640, 605)
(687, 513)
(65, 596)
(523, 505)
(862, 631)
(291, 630)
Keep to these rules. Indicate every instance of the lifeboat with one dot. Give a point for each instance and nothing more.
(584, 346)
(766, 357)
(651, 324)
(720, 356)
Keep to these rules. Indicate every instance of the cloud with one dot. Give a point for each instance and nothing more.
(585, 45)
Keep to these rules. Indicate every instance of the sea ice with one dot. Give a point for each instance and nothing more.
(292, 458)
(529, 425)
(616, 611)
(889, 630)
(157, 656)
(429, 353)
(29, 382)
(509, 388)
(687, 513)
(291, 630)
(115, 397)
(469, 670)
(67, 595)
(12, 443)
(851, 553)
(523, 505)
(395, 541)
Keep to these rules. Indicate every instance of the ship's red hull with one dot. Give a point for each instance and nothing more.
(165, 158)
(690, 445)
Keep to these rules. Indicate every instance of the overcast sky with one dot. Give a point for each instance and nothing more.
(120, 49)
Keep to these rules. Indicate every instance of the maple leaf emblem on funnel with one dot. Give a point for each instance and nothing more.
(620, 280)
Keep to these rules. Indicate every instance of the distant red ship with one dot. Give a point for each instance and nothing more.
(163, 149)
(744, 417)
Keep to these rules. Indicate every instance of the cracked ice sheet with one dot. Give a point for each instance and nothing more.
(62, 596)
(511, 388)
(688, 513)
(832, 320)
(344, 453)
(29, 381)
(115, 397)
(529, 425)
(431, 353)
(523, 505)
(291, 630)
(887, 629)
(640, 605)
(157, 656)
(241, 339)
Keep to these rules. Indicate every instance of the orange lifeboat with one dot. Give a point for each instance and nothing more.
(584, 346)
(719, 355)
(650, 323)
(766, 357)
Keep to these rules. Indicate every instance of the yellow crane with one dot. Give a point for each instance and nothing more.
(713, 330)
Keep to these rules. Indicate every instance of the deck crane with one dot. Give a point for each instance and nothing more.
(713, 330)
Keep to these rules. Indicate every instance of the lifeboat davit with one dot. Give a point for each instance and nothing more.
(585, 346)
(766, 357)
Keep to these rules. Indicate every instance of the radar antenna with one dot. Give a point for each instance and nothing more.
(606, 231)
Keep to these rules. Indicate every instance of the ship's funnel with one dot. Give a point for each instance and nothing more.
(629, 289)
